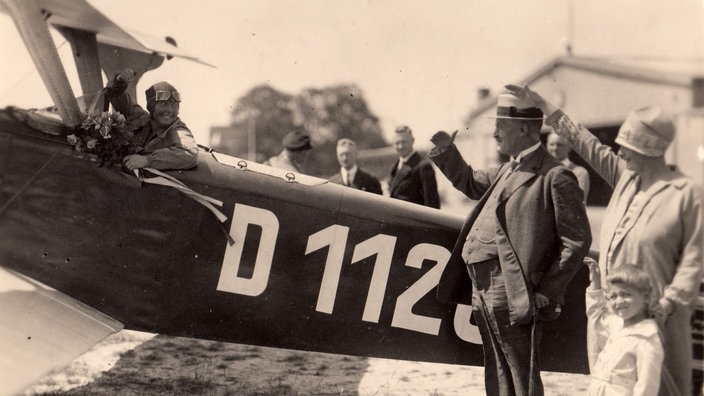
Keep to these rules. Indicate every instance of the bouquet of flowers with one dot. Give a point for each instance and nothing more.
(104, 134)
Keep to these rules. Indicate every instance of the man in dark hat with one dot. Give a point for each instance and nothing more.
(293, 156)
(163, 141)
(519, 248)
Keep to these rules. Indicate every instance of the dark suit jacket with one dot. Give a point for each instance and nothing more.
(362, 181)
(415, 182)
(543, 235)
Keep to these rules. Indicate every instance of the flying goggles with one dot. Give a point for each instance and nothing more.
(166, 95)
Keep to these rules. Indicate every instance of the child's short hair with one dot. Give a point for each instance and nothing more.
(630, 275)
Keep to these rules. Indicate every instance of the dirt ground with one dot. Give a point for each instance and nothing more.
(132, 363)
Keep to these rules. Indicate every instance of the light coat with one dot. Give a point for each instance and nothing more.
(623, 361)
(663, 232)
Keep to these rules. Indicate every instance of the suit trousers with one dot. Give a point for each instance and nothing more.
(507, 348)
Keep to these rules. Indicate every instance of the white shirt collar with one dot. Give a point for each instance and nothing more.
(406, 158)
(403, 160)
(525, 152)
(348, 175)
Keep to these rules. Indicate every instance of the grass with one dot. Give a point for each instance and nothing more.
(182, 366)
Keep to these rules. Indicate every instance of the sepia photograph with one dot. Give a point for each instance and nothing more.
(352, 197)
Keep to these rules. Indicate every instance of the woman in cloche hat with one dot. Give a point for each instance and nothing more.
(654, 219)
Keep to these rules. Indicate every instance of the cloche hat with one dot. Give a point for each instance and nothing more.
(648, 131)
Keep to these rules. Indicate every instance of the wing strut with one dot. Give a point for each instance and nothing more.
(30, 21)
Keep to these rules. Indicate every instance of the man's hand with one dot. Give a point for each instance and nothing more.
(541, 300)
(125, 75)
(525, 93)
(442, 140)
(662, 310)
(135, 161)
(120, 81)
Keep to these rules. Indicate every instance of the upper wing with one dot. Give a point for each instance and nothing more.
(43, 329)
(81, 15)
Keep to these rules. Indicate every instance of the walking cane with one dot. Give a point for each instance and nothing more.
(533, 353)
(534, 348)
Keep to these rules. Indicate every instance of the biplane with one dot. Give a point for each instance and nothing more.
(231, 250)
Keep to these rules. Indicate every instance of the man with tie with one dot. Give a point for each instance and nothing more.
(519, 247)
(412, 177)
(350, 175)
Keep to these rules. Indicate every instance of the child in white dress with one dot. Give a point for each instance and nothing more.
(624, 344)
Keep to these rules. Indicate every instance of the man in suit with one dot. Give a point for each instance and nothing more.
(559, 148)
(519, 248)
(412, 177)
(350, 175)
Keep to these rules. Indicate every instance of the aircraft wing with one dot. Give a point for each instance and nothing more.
(46, 330)
(81, 15)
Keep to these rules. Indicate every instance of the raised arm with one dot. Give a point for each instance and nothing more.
(445, 155)
(597, 313)
(116, 93)
(599, 156)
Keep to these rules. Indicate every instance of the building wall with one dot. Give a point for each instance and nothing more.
(597, 99)
(687, 151)
(601, 101)
(594, 99)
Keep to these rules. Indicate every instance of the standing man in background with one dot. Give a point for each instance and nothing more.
(560, 149)
(518, 249)
(412, 177)
(350, 175)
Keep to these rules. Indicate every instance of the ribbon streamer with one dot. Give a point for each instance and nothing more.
(163, 179)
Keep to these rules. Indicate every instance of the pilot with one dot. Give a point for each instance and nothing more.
(163, 141)
(293, 156)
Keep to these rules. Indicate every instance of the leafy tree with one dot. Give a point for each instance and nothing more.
(332, 113)
(326, 114)
(263, 113)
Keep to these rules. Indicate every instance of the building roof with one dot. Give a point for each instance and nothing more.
(675, 73)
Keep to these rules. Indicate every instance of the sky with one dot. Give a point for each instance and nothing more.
(417, 63)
